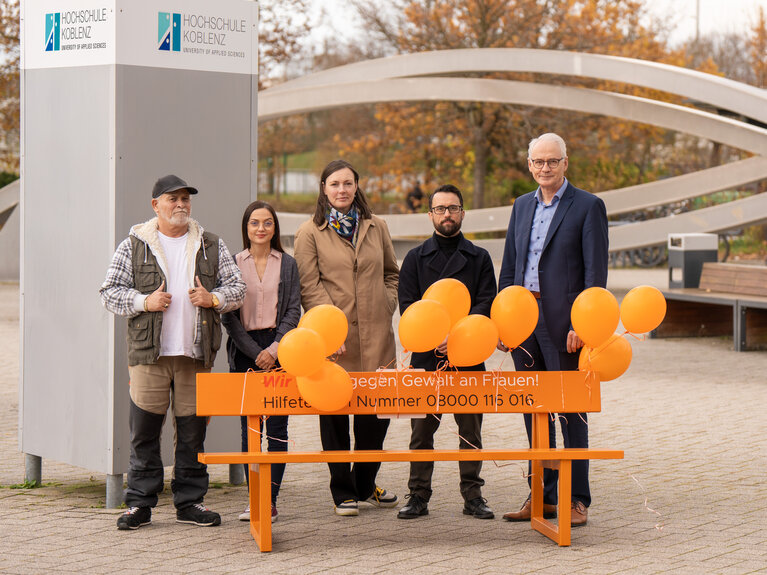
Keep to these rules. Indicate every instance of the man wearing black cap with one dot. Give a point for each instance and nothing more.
(172, 280)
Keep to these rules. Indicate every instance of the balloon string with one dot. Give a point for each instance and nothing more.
(525, 474)
(380, 372)
(658, 526)
(497, 384)
(263, 417)
(244, 387)
(532, 360)
(590, 377)
(442, 366)
(593, 352)
(289, 441)
(639, 337)
(562, 387)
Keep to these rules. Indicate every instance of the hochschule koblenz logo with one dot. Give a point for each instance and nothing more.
(169, 31)
(196, 33)
(52, 32)
(73, 29)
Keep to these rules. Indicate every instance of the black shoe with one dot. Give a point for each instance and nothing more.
(134, 518)
(198, 514)
(416, 506)
(478, 508)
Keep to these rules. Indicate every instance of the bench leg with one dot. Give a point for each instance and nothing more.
(536, 489)
(261, 505)
(564, 501)
(559, 533)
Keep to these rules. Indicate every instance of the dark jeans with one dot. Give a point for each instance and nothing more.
(355, 482)
(276, 425)
(422, 437)
(575, 429)
(145, 476)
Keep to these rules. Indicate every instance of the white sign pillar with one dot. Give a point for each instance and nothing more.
(115, 94)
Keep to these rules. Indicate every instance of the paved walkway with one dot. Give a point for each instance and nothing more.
(690, 496)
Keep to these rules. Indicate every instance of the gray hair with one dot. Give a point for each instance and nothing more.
(548, 137)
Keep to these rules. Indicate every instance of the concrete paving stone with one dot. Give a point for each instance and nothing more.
(738, 569)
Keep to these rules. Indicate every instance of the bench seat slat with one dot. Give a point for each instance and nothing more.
(409, 455)
(750, 280)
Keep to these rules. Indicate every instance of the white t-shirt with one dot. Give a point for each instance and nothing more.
(178, 321)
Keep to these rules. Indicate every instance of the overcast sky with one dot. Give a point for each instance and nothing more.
(715, 15)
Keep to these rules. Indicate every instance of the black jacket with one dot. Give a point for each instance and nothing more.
(426, 264)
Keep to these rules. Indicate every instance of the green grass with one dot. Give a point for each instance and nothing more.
(27, 485)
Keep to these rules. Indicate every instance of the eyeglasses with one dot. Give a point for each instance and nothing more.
(552, 162)
(267, 225)
(454, 209)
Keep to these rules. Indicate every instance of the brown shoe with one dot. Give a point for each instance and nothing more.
(579, 514)
(524, 514)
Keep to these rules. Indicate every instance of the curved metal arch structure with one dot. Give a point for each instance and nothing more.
(714, 90)
(395, 79)
(661, 114)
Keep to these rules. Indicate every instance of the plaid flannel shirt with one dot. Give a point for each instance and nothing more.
(118, 292)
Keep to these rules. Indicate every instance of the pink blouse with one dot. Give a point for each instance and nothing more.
(259, 310)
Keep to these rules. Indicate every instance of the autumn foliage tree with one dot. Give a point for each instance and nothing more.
(282, 26)
(481, 145)
(9, 85)
(758, 49)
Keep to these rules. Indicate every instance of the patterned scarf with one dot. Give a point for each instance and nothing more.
(345, 225)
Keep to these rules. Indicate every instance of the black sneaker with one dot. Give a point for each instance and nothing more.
(134, 518)
(416, 506)
(198, 514)
(478, 508)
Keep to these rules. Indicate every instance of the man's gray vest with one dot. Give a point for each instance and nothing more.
(144, 330)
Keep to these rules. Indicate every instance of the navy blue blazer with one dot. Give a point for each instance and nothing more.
(574, 256)
(425, 264)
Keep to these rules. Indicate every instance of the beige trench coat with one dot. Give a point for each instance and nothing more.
(362, 282)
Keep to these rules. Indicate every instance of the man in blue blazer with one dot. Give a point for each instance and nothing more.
(556, 246)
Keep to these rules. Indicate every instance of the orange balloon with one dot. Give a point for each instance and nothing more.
(610, 360)
(642, 309)
(328, 389)
(595, 316)
(515, 314)
(424, 325)
(301, 351)
(451, 293)
(330, 323)
(472, 340)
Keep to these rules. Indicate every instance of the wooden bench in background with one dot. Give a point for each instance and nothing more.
(731, 299)
(410, 392)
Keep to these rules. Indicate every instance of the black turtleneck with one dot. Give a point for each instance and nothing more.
(448, 246)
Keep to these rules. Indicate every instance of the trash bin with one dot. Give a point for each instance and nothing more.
(686, 255)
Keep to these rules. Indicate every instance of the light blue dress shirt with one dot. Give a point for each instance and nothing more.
(544, 213)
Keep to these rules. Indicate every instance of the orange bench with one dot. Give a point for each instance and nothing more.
(410, 392)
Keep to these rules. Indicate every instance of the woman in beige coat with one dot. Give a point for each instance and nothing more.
(345, 258)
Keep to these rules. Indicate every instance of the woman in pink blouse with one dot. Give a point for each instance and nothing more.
(272, 307)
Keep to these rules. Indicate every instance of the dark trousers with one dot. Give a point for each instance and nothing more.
(575, 430)
(145, 476)
(276, 425)
(422, 437)
(358, 481)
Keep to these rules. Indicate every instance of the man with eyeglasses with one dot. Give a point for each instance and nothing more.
(447, 254)
(556, 246)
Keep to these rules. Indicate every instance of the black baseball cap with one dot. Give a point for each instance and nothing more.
(170, 183)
